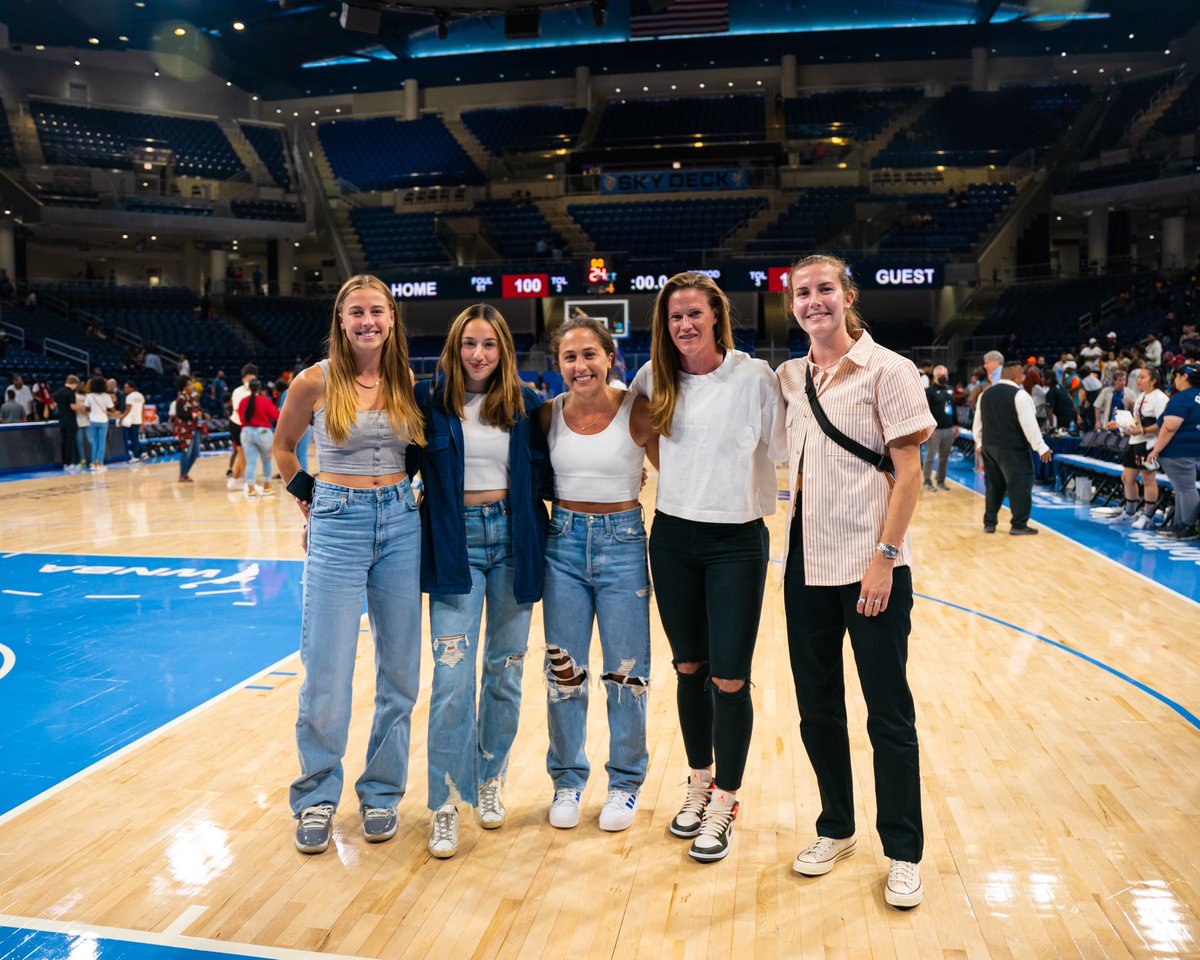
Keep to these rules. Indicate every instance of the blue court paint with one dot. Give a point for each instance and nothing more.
(20, 944)
(1162, 698)
(90, 676)
(1174, 565)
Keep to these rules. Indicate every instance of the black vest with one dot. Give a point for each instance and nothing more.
(938, 397)
(998, 412)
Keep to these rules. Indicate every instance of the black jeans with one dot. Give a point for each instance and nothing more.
(817, 621)
(68, 443)
(1007, 470)
(709, 580)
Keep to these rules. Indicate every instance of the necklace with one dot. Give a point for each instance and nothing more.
(368, 386)
(591, 423)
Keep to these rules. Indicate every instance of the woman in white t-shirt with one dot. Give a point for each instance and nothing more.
(99, 404)
(596, 570)
(720, 420)
(1137, 458)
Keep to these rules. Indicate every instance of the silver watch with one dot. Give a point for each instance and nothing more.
(889, 550)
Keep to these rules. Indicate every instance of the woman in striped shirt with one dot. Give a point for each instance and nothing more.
(846, 565)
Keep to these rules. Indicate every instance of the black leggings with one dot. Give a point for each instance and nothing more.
(709, 580)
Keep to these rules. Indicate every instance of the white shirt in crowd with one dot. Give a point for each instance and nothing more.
(1026, 416)
(98, 405)
(1154, 351)
(239, 394)
(718, 464)
(1149, 404)
(24, 396)
(134, 403)
(81, 416)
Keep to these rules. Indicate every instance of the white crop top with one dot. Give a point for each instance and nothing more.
(485, 453)
(605, 467)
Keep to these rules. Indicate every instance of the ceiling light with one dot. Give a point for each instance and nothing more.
(1167, 52)
(93, 39)
(77, 63)
(255, 97)
(156, 73)
(40, 46)
(238, 25)
(180, 31)
(229, 83)
(124, 236)
(123, 38)
(153, 236)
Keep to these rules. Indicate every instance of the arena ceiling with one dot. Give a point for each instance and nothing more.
(290, 48)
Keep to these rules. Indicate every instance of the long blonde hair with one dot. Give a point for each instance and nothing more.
(396, 386)
(502, 404)
(664, 358)
(854, 320)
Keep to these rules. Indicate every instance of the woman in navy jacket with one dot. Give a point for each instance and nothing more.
(483, 531)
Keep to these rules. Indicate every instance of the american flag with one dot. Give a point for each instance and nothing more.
(678, 17)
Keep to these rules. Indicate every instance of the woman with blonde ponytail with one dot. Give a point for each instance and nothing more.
(362, 536)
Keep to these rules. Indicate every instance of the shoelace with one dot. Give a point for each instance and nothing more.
(489, 798)
(618, 797)
(444, 826)
(716, 820)
(380, 812)
(902, 874)
(567, 793)
(698, 792)
(317, 816)
(819, 849)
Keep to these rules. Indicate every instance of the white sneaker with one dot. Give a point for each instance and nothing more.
(903, 887)
(233, 483)
(491, 811)
(618, 810)
(443, 832)
(819, 857)
(1143, 522)
(715, 836)
(1123, 518)
(564, 809)
(687, 821)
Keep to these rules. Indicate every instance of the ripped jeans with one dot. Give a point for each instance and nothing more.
(467, 748)
(596, 570)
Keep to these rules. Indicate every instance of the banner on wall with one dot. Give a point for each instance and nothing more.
(675, 181)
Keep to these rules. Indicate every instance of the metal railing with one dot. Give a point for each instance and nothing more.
(60, 349)
(126, 338)
(15, 333)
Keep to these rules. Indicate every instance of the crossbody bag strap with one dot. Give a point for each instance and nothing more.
(880, 461)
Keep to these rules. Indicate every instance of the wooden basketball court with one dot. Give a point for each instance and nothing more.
(1060, 790)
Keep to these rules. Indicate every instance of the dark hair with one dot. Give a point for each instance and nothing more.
(1190, 370)
(97, 385)
(130, 383)
(582, 323)
(255, 387)
(250, 369)
(181, 383)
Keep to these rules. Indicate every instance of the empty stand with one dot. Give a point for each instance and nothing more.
(1183, 116)
(811, 219)
(266, 210)
(269, 144)
(390, 237)
(856, 114)
(660, 228)
(976, 128)
(686, 120)
(525, 129)
(513, 228)
(8, 148)
(97, 137)
(953, 221)
(383, 153)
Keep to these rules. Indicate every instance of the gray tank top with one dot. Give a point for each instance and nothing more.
(372, 450)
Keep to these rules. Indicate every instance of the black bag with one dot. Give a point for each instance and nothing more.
(880, 461)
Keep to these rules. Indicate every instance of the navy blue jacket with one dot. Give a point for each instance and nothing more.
(444, 567)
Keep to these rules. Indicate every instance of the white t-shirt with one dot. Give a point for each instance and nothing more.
(1149, 404)
(98, 405)
(24, 396)
(81, 418)
(718, 465)
(239, 394)
(1154, 352)
(134, 402)
(485, 448)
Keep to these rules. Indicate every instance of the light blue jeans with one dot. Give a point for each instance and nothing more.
(256, 441)
(596, 570)
(98, 437)
(359, 542)
(466, 749)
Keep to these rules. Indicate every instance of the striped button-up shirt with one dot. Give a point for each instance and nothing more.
(874, 396)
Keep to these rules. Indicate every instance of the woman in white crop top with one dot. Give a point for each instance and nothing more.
(483, 530)
(362, 537)
(596, 570)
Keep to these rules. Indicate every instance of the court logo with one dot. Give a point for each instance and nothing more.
(8, 660)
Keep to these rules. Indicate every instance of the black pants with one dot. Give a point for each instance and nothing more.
(1007, 470)
(67, 430)
(817, 621)
(709, 580)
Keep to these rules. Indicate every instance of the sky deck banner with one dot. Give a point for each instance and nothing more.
(674, 181)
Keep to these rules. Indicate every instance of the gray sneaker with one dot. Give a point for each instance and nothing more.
(378, 823)
(491, 810)
(313, 828)
(443, 832)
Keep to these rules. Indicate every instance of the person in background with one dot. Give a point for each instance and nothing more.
(100, 409)
(993, 361)
(258, 414)
(1178, 449)
(185, 424)
(941, 405)
(240, 392)
(1147, 409)
(305, 440)
(1111, 399)
(11, 411)
(23, 395)
(185, 365)
(131, 420)
(63, 403)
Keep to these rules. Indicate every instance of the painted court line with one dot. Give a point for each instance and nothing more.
(167, 940)
(1162, 698)
(141, 741)
(21, 593)
(113, 596)
(184, 920)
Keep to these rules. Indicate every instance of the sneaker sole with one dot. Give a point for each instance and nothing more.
(904, 901)
(806, 869)
(683, 832)
(492, 824)
(312, 849)
(703, 856)
(379, 837)
(563, 824)
(444, 854)
(616, 827)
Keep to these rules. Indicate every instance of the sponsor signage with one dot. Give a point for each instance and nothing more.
(674, 181)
